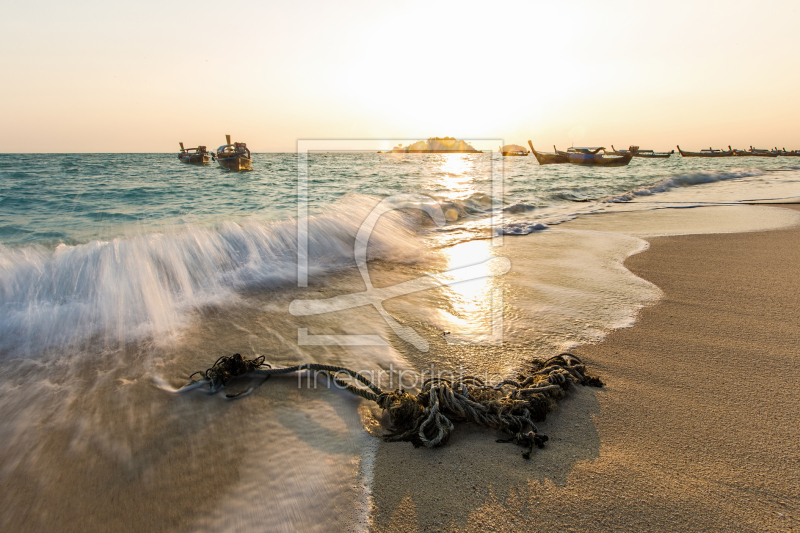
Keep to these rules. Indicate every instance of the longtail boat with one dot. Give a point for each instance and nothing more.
(788, 153)
(706, 152)
(513, 149)
(638, 152)
(195, 156)
(593, 157)
(739, 153)
(762, 153)
(545, 158)
(234, 156)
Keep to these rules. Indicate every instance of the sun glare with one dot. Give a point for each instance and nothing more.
(456, 175)
(469, 299)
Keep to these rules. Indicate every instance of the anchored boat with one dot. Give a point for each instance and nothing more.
(739, 153)
(513, 149)
(545, 158)
(710, 152)
(763, 153)
(234, 156)
(638, 152)
(788, 153)
(195, 156)
(593, 157)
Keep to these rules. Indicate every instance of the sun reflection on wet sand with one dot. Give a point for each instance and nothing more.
(470, 302)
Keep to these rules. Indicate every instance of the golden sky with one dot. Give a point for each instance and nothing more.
(91, 76)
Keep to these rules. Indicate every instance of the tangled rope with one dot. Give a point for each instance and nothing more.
(225, 369)
(511, 407)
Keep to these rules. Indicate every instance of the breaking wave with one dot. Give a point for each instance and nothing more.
(120, 290)
(684, 180)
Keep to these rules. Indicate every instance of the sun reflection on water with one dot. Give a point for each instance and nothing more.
(456, 176)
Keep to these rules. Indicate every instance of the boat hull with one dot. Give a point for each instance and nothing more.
(235, 163)
(548, 159)
(508, 154)
(700, 154)
(705, 154)
(644, 154)
(598, 160)
(651, 155)
(195, 159)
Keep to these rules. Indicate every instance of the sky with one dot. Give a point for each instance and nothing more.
(91, 76)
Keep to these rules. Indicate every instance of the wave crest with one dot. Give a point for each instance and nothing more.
(683, 180)
(120, 290)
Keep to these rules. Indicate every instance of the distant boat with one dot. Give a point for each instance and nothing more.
(234, 156)
(638, 152)
(739, 153)
(545, 158)
(195, 156)
(788, 153)
(710, 152)
(593, 157)
(513, 149)
(762, 153)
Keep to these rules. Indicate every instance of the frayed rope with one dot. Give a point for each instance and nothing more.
(426, 419)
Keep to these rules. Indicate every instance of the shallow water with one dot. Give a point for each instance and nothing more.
(122, 272)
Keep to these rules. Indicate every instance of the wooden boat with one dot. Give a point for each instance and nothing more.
(512, 149)
(593, 157)
(762, 153)
(234, 156)
(195, 156)
(788, 153)
(637, 152)
(545, 158)
(710, 152)
(739, 153)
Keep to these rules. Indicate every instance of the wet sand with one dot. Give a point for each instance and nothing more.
(696, 430)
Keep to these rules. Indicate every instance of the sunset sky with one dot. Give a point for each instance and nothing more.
(91, 76)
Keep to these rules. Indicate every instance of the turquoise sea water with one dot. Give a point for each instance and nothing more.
(83, 234)
(49, 199)
(120, 274)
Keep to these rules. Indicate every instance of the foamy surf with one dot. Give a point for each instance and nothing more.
(119, 291)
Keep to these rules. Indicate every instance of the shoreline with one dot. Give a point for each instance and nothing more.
(101, 443)
(693, 430)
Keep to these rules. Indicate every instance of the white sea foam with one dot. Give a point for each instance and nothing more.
(684, 180)
(119, 290)
(521, 228)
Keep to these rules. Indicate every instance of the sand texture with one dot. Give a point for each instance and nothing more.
(698, 428)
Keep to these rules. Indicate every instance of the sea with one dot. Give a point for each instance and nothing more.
(122, 274)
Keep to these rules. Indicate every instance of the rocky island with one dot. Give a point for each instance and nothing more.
(435, 145)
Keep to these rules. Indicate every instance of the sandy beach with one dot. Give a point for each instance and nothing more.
(696, 429)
